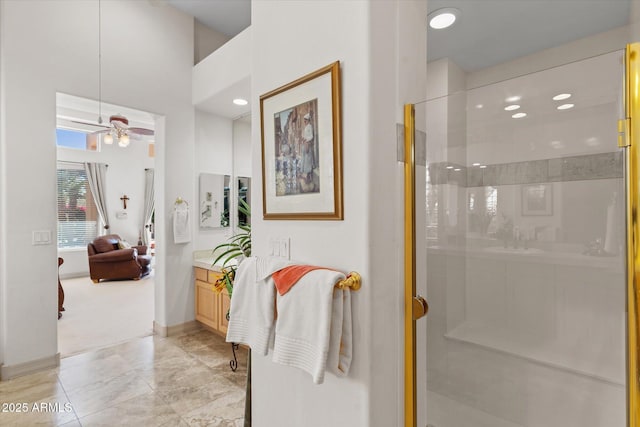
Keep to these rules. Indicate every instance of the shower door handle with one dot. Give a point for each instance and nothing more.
(420, 307)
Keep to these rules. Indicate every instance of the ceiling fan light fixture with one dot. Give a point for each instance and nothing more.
(443, 18)
(108, 139)
(123, 141)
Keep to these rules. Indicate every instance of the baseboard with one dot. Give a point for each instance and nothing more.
(168, 331)
(8, 372)
(74, 275)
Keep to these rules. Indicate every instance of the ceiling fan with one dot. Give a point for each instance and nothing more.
(119, 130)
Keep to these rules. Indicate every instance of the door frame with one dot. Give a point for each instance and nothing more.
(629, 137)
(410, 394)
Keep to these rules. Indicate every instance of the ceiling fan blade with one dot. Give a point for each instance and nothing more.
(90, 124)
(141, 131)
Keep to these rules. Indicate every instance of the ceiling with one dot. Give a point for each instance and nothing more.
(490, 32)
(228, 17)
(506, 29)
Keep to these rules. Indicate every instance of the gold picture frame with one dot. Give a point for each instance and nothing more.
(301, 130)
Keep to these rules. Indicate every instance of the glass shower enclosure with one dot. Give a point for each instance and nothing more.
(525, 248)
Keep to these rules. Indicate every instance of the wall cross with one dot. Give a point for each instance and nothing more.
(124, 200)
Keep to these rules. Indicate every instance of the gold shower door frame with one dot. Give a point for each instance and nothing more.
(629, 138)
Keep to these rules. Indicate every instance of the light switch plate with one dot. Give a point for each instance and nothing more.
(284, 248)
(41, 237)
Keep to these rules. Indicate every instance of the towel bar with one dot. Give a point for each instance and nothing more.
(352, 281)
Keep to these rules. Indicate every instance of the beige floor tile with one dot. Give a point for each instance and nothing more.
(213, 358)
(97, 396)
(32, 388)
(224, 411)
(148, 410)
(195, 340)
(77, 375)
(74, 423)
(115, 386)
(179, 376)
(185, 399)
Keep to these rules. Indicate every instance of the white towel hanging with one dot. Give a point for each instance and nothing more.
(181, 222)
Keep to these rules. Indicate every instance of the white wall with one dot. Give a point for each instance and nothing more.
(291, 39)
(125, 175)
(213, 154)
(51, 47)
(206, 40)
(242, 148)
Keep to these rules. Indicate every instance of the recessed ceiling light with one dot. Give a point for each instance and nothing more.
(457, 169)
(519, 115)
(476, 164)
(513, 98)
(479, 106)
(443, 18)
(557, 144)
(483, 166)
(562, 96)
(240, 101)
(512, 107)
(565, 106)
(449, 167)
(592, 142)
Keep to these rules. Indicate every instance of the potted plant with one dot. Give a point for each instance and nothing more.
(237, 248)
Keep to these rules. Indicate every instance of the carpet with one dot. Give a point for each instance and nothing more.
(104, 314)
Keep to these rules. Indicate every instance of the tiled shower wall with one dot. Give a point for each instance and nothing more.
(575, 168)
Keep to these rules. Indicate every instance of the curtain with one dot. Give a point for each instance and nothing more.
(149, 204)
(96, 175)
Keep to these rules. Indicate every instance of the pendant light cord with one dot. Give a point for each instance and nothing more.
(100, 61)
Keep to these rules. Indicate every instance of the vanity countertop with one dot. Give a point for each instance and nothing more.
(204, 259)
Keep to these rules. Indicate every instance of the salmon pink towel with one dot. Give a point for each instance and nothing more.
(289, 276)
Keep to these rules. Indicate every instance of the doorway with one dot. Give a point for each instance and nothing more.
(105, 170)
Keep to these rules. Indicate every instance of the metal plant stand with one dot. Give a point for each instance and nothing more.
(234, 363)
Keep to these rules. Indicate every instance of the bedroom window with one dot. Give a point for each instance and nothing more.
(77, 213)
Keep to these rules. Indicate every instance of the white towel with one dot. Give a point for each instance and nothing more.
(266, 266)
(252, 311)
(181, 227)
(313, 329)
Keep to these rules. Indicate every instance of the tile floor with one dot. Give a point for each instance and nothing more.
(177, 381)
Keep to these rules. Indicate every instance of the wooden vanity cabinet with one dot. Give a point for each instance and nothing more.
(211, 306)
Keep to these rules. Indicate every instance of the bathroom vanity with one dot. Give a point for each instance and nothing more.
(211, 306)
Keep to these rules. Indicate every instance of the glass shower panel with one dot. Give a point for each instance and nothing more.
(524, 217)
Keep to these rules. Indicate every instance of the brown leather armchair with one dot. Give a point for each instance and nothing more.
(108, 261)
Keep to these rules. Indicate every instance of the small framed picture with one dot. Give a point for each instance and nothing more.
(301, 148)
(537, 199)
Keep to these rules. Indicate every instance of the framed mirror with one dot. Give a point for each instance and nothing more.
(244, 194)
(214, 201)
